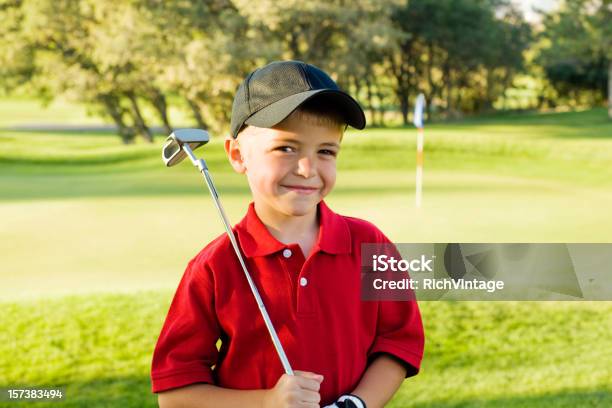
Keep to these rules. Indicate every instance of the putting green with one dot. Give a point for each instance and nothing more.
(71, 245)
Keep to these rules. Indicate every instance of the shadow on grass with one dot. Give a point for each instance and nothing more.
(576, 117)
(580, 124)
(77, 130)
(565, 399)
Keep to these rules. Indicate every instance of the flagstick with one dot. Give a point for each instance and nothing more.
(418, 123)
(419, 167)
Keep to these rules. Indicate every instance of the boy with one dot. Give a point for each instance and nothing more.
(287, 122)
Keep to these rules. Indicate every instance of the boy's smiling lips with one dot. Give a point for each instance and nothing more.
(300, 189)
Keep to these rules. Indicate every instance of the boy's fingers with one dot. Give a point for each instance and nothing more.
(310, 397)
(308, 374)
(308, 383)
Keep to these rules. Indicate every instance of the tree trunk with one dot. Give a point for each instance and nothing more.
(405, 70)
(111, 104)
(403, 97)
(161, 106)
(141, 126)
(370, 100)
(488, 102)
(610, 89)
(357, 86)
(294, 45)
(197, 114)
(449, 96)
(459, 101)
(433, 88)
(381, 107)
(402, 91)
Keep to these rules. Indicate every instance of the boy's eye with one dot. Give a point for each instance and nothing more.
(328, 152)
(286, 149)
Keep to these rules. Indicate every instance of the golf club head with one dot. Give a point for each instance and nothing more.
(172, 152)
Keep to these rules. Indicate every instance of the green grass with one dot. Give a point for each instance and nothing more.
(88, 344)
(95, 236)
(509, 354)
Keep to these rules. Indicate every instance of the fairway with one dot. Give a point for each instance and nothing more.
(96, 235)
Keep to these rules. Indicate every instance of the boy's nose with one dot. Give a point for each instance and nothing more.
(305, 167)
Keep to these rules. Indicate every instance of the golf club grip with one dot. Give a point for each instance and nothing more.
(262, 308)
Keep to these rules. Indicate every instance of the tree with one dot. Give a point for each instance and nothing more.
(119, 57)
(601, 20)
(365, 38)
(16, 54)
(59, 34)
(449, 49)
(211, 46)
(577, 55)
(503, 57)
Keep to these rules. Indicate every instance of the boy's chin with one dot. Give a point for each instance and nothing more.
(300, 208)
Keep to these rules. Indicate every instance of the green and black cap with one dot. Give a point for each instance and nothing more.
(270, 93)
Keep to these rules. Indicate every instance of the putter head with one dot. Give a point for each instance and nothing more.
(173, 153)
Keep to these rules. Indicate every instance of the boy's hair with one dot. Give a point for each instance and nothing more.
(317, 111)
(321, 112)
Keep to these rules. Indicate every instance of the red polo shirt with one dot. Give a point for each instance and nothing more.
(313, 303)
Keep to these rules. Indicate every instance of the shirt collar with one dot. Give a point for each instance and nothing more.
(255, 239)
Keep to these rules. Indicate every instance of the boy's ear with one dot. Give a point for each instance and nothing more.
(236, 159)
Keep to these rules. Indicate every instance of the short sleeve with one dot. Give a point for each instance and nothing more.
(399, 330)
(186, 348)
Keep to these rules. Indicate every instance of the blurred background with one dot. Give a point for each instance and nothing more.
(95, 232)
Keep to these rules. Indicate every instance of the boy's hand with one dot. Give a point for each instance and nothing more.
(300, 390)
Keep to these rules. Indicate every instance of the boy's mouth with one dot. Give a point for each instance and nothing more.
(301, 189)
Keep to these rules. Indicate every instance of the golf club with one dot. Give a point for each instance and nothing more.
(180, 144)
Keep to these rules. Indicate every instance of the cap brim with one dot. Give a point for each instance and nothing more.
(274, 113)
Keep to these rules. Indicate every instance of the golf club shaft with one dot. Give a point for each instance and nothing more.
(201, 165)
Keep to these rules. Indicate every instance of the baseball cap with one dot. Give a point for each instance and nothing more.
(270, 93)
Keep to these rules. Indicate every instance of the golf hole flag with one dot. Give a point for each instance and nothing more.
(418, 122)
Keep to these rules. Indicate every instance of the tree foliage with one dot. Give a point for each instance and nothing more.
(577, 50)
(127, 58)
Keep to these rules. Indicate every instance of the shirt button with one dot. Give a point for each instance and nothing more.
(303, 281)
(287, 253)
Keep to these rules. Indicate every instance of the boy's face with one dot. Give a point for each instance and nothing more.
(290, 167)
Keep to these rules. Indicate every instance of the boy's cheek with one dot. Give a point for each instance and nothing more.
(330, 173)
(330, 182)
